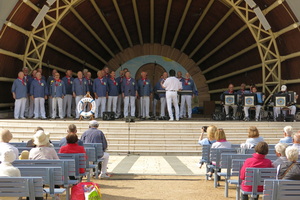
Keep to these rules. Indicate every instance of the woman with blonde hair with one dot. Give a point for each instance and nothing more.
(253, 138)
(221, 140)
(210, 135)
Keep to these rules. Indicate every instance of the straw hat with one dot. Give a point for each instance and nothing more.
(40, 138)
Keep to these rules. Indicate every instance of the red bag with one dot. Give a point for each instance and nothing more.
(77, 192)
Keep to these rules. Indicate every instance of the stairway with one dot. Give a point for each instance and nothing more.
(150, 137)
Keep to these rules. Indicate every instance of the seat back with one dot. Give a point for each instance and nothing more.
(98, 147)
(281, 189)
(21, 187)
(18, 144)
(215, 155)
(256, 176)
(206, 153)
(79, 158)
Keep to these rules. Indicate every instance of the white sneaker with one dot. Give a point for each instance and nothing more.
(171, 119)
(103, 176)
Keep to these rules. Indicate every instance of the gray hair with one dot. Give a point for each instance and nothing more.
(292, 153)
(288, 130)
(280, 148)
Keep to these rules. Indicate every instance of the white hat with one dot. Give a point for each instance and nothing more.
(8, 155)
(40, 138)
(93, 123)
(283, 88)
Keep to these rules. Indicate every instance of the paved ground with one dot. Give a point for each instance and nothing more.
(155, 165)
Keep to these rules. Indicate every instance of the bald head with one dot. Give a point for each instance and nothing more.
(144, 74)
(21, 75)
(187, 75)
(5, 135)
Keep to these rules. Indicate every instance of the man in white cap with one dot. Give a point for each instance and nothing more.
(93, 135)
(292, 108)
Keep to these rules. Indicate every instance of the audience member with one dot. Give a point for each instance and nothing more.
(72, 129)
(296, 141)
(42, 151)
(257, 161)
(210, 135)
(287, 132)
(93, 135)
(30, 142)
(6, 168)
(290, 170)
(5, 137)
(280, 153)
(253, 138)
(221, 140)
(73, 147)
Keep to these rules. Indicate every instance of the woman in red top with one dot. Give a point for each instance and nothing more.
(73, 147)
(257, 161)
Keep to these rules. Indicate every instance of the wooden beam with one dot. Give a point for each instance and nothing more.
(107, 25)
(152, 21)
(122, 22)
(287, 29)
(197, 25)
(5, 79)
(231, 10)
(11, 54)
(166, 22)
(6, 105)
(137, 21)
(187, 6)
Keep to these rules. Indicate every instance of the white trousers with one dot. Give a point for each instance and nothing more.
(257, 111)
(234, 107)
(31, 107)
(145, 105)
(27, 106)
(67, 105)
(119, 105)
(100, 104)
(112, 104)
(131, 104)
(172, 99)
(276, 111)
(104, 163)
(186, 99)
(163, 104)
(50, 106)
(20, 108)
(39, 107)
(57, 101)
(154, 107)
(77, 99)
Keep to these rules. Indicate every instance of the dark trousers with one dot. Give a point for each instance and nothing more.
(246, 197)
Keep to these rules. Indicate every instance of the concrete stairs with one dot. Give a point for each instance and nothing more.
(150, 137)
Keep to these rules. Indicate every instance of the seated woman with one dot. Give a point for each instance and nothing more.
(5, 137)
(220, 143)
(280, 153)
(6, 168)
(73, 147)
(253, 138)
(210, 135)
(258, 160)
(290, 170)
(42, 151)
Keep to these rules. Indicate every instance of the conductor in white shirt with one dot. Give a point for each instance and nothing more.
(172, 86)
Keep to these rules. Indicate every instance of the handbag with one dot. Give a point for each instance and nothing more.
(86, 191)
(286, 171)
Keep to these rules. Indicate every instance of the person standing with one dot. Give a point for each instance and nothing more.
(144, 91)
(162, 96)
(39, 92)
(129, 93)
(50, 78)
(187, 84)
(26, 78)
(113, 92)
(79, 89)
(90, 82)
(19, 92)
(93, 135)
(100, 90)
(67, 102)
(172, 85)
(31, 101)
(120, 98)
(57, 93)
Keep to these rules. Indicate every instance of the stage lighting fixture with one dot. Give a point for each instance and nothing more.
(250, 3)
(262, 18)
(50, 2)
(40, 16)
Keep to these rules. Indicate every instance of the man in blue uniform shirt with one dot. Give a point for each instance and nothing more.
(100, 90)
(27, 77)
(50, 78)
(39, 92)
(79, 88)
(129, 93)
(57, 92)
(93, 135)
(120, 98)
(67, 102)
(31, 101)
(162, 96)
(90, 82)
(187, 84)
(144, 91)
(113, 92)
(19, 92)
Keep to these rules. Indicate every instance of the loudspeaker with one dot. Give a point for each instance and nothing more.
(108, 116)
